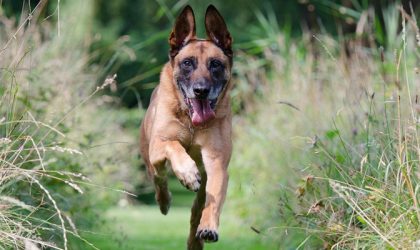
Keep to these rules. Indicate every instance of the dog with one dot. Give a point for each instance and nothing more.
(189, 122)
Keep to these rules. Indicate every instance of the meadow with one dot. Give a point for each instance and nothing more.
(326, 137)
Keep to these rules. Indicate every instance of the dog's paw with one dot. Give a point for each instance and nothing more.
(207, 235)
(189, 176)
(164, 200)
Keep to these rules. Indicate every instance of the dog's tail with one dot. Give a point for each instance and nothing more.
(195, 243)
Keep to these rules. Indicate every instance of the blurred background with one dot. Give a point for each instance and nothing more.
(325, 129)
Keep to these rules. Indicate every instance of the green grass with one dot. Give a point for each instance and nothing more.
(49, 142)
(145, 228)
(337, 168)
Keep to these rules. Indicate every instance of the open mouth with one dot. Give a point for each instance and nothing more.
(201, 110)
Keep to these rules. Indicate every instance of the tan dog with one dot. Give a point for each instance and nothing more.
(188, 122)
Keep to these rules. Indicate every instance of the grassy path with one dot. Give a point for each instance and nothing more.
(144, 228)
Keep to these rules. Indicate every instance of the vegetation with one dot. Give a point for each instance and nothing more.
(52, 177)
(327, 146)
(336, 138)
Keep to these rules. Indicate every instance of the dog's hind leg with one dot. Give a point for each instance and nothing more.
(157, 173)
(195, 243)
(163, 196)
(160, 180)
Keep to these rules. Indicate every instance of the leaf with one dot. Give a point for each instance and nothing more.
(331, 134)
(361, 220)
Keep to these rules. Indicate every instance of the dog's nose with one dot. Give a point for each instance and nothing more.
(201, 92)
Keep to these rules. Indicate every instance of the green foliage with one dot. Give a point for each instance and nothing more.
(53, 179)
(366, 183)
(331, 142)
(131, 36)
(326, 142)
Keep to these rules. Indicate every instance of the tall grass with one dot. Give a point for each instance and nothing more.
(31, 209)
(329, 156)
(50, 130)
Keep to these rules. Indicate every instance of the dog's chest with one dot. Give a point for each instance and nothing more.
(194, 152)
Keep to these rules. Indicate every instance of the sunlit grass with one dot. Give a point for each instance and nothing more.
(46, 99)
(329, 152)
(326, 145)
(144, 227)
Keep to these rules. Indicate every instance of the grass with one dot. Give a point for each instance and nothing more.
(326, 150)
(48, 116)
(144, 227)
(36, 168)
(337, 166)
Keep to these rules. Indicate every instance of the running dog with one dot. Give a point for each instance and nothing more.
(189, 122)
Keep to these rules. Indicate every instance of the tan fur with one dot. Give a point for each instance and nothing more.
(168, 134)
(198, 153)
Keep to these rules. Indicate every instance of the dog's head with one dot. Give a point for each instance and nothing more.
(201, 67)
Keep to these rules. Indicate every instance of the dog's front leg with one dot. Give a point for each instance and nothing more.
(215, 163)
(183, 166)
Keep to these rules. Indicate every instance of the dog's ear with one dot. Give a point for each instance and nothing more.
(183, 31)
(217, 31)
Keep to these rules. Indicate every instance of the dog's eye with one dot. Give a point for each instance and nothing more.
(187, 63)
(215, 64)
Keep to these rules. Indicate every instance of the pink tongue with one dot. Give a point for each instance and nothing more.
(202, 111)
